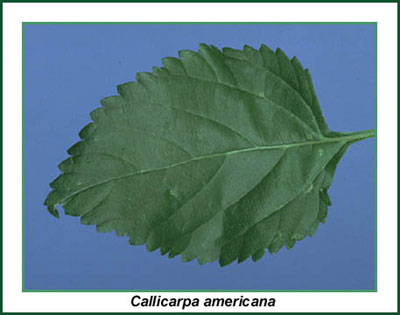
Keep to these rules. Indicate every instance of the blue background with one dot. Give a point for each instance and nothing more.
(69, 68)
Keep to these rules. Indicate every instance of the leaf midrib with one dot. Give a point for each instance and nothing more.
(344, 138)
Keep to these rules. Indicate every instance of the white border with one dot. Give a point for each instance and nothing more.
(14, 300)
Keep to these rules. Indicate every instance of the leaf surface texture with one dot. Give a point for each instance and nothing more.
(216, 155)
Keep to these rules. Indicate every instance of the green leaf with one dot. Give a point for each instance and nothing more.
(216, 155)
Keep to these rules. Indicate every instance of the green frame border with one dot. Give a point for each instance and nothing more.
(176, 23)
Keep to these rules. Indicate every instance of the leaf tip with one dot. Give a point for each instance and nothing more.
(53, 211)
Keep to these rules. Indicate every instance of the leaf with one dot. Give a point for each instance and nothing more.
(216, 155)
